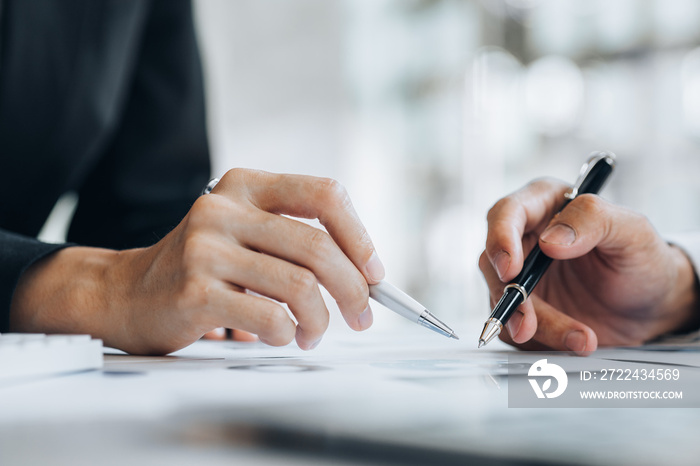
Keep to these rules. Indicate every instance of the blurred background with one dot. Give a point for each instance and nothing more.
(429, 111)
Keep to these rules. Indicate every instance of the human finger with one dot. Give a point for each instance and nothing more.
(590, 222)
(278, 279)
(315, 250)
(230, 308)
(522, 324)
(218, 333)
(242, 335)
(536, 320)
(310, 197)
(224, 333)
(493, 282)
(529, 345)
(559, 331)
(514, 216)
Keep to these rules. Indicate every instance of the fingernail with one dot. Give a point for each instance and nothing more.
(514, 323)
(559, 234)
(576, 341)
(365, 319)
(502, 262)
(375, 268)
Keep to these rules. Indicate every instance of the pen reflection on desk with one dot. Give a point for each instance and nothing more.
(401, 303)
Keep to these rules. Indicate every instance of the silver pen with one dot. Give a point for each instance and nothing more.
(391, 297)
(396, 300)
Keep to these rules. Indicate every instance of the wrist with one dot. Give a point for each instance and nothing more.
(66, 292)
(682, 306)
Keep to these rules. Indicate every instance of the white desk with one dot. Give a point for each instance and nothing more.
(365, 398)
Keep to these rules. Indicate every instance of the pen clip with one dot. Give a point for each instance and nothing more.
(593, 160)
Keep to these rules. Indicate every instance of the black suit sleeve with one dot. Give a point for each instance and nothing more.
(158, 160)
(18, 253)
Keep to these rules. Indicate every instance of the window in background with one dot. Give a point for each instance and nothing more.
(430, 110)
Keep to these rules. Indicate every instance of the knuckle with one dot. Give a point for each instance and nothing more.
(352, 299)
(196, 249)
(303, 283)
(545, 184)
(275, 325)
(366, 243)
(643, 222)
(204, 209)
(319, 241)
(332, 192)
(358, 293)
(245, 182)
(639, 223)
(212, 213)
(194, 294)
(502, 205)
(235, 175)
(590, 204)
(319, 245)
(543, 187)
(199, 209)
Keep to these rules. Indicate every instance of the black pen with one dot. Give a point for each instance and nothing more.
(593, 176)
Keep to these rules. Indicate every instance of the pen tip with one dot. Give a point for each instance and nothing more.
(481, 343)
(454, 335)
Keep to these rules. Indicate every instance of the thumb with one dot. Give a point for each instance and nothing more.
(590, 222)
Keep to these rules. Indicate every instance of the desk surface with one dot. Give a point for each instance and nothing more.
(409, 399)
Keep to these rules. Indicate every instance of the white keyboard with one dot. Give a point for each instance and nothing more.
(25, 355)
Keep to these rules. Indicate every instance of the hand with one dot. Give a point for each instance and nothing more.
(162, 298)
(614, 281)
